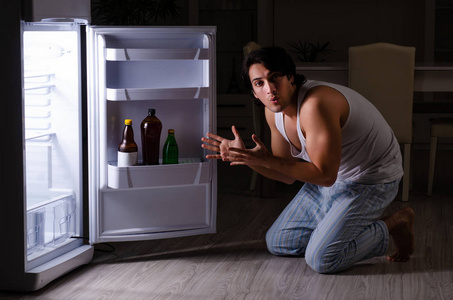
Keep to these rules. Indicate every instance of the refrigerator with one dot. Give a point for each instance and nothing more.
(79, 84)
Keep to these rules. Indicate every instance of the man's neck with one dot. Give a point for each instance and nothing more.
(291, 110)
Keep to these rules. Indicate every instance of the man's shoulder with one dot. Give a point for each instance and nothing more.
(314, 96)
(320, 90)
(324, 101)
(321, 94)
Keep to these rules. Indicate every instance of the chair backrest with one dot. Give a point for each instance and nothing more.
(384, 74)
(249, 47)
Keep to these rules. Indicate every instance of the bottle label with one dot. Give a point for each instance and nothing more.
(126, 159)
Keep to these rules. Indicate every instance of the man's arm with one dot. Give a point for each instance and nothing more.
(280, 149)
(320, 117)
(221, 145)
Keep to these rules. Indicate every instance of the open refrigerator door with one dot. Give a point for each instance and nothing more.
(171, 70)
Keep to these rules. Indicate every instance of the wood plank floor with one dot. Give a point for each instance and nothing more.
(234, 263)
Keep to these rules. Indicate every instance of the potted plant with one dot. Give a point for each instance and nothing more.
(133, 12)
(309, 52)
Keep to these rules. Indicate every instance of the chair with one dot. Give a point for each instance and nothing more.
(440, 128)
(384, 74)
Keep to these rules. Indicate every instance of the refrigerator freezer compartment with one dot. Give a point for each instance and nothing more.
(147, 212)
(123, 54)
(158, 175)
(156, 94)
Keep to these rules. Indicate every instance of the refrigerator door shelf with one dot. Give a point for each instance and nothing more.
(156, 94)
(124, 54)
(158, 175)
(153, 213)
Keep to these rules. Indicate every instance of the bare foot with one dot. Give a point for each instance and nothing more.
(401, 228)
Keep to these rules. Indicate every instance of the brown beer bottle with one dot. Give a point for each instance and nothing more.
(150, 128)
(127, 149)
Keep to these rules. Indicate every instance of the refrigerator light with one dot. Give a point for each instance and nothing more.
(43, 51)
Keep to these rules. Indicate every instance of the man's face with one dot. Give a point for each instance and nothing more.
(273, 89)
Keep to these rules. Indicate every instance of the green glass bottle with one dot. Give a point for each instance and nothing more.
(170, 151)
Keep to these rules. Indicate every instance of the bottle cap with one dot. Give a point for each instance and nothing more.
(151, 112)
(128, 122)
(171, 131)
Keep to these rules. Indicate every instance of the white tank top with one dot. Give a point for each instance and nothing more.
(370, 151)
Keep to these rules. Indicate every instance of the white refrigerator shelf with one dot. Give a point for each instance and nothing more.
(191, 172)
(125, 54)
(156, 94)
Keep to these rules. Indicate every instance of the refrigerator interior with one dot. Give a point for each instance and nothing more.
(172, 71)
(52, 147)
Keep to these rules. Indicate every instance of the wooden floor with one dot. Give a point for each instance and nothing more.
(234, 263)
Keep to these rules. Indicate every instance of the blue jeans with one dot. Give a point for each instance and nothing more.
(335, 226)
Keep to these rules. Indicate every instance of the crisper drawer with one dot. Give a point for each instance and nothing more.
(158, 175)
(146, 211)
(50, 223)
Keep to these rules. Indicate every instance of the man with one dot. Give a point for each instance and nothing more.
(334, 140)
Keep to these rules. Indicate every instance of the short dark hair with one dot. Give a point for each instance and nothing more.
(275, 59)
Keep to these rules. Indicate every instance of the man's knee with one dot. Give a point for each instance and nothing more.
(272, 245)
(279, 245)
(324, 261)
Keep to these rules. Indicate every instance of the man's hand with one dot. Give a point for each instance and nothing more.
(259, 159)
(256, 157)
(221, 145)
